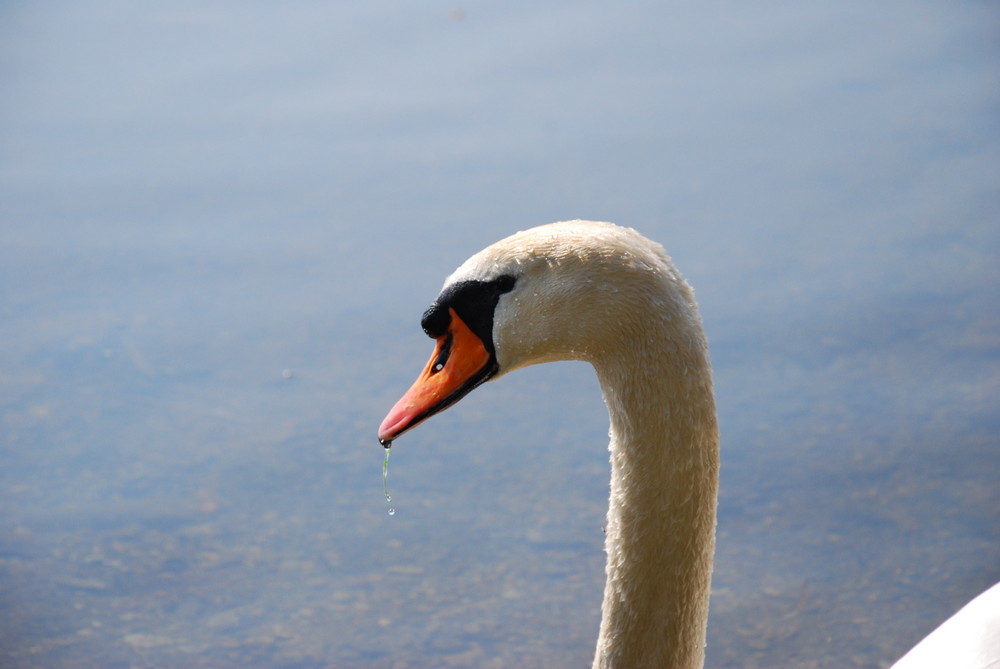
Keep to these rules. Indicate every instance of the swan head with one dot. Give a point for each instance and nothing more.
(576, 290)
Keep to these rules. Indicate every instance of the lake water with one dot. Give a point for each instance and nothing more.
(219, 225)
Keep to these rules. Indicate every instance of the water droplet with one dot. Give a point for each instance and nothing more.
(385, 481)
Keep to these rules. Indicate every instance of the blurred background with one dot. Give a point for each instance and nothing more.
(220, 223)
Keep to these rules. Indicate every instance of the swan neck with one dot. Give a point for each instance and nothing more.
(661, 516)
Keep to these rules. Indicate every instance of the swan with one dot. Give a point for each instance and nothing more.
(970, 638)
(604, 294)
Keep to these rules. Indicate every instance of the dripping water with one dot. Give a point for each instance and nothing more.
(385, 477)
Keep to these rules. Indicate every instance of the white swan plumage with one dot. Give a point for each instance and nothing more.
(584, 290)
(970, 639)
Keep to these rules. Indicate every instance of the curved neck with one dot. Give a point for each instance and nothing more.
(661, 516)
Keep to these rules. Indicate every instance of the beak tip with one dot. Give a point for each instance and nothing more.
(385, 436)
(393, 425)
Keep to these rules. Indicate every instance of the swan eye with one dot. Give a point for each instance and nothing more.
(505, 284)
(442, 358)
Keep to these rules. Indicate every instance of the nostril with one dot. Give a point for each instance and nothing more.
(443, 354)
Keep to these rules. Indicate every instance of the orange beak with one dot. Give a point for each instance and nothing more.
(460, 362)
